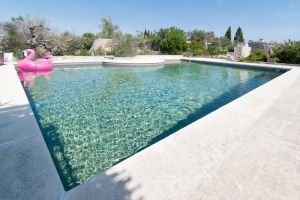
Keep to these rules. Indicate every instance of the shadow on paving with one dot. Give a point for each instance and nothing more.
(105, 186)
(13, 120)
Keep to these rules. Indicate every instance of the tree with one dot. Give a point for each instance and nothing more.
(255, 56)
(125, 45)
(228, 34)
(195, 48)
(108, 29)
(147, 33)
(239, 36)
(201, 36)
(288, 52)
(172, 40)
(24, 32)
(88, 40)
(12, 39)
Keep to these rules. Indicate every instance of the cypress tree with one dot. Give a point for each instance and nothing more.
(228, 33)
(239, 36)
(145, 33)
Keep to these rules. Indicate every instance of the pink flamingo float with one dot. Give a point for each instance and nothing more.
(27, 64)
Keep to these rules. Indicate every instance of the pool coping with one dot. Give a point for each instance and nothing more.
(132, 178)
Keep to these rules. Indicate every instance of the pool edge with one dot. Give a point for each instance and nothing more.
(89, 186)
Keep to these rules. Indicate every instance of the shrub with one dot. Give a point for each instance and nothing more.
(81, 52)
(14, 37)
(173, 41)
(125, 45)
(201, 36)
(195, 48)
(288, 53)
(256, 56)
(87, 40)
(98, 52)
(168, 40)
(216, 50)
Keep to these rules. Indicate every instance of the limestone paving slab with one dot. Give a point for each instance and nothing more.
(26, 168)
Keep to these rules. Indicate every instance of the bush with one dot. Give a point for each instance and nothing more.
(216, 50)
(168, 40)
(125, 45)
(288, 53)
(195, 48)
(256, 56)
(98, 52)
(174, 41)
(81, 52)
(14, 36)
(88, 40)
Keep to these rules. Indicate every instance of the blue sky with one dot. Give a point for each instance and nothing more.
(276, 20)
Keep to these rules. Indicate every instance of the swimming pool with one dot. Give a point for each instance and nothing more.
(93, 117)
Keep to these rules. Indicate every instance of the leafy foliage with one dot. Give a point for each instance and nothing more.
(125, 45)
(256, 56)
(174, 41)
(169, 40)
(216, 50)
(108, 29)
(195, 48)
(239, 36)
(201, 36)
(228, 39)
(24, 32)
(288, 53)
(12, 37)
(88, 39)
(228, 34)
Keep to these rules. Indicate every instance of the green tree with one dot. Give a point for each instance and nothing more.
(172, 40)
(195, 48)
(228, 37)
(228, 33)
(146, 33)
(256, 56)
(239, 36)
(24, 32)
(108, 29)
(288, 53)
(88, 40)
(216, 50)
(201, 36)
(13, 40)
(125, 45)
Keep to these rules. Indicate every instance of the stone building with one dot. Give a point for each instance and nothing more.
(241, 50)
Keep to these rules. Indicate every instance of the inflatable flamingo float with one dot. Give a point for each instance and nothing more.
(27, 64)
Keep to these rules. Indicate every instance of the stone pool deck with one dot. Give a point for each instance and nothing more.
(247, 149)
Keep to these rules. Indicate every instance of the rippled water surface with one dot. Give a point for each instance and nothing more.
(93, 117)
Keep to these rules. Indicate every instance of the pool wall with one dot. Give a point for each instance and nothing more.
(248, 148)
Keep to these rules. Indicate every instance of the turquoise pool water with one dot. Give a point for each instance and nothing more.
(93, 117)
